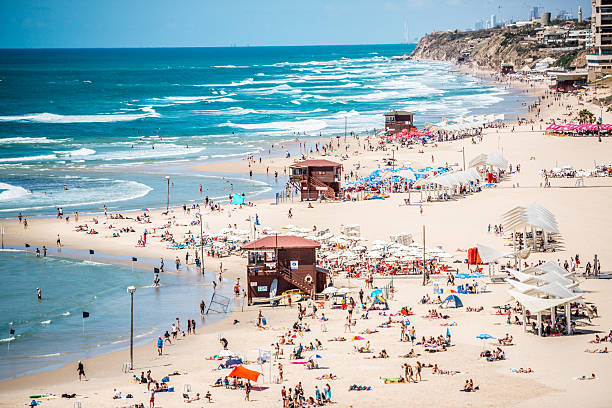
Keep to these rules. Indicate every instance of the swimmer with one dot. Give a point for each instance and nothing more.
(38, 293)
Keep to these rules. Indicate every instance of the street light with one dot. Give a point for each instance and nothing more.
(201, 242)
(168, 195)
(131, 290)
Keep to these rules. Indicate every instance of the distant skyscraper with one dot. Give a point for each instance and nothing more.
(479, 25)
(580, 14)
(493, 21)
(565, 15)
(534, 12)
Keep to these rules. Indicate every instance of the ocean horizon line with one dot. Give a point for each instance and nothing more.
(156, 47)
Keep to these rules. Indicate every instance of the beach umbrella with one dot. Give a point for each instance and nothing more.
(343, 291)
(329, 290)
(314, 356)
(483, 337)
(243, 372)
(376, 292)
(226, 353)
(357, 338)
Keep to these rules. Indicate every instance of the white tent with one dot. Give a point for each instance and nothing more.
(491, 159)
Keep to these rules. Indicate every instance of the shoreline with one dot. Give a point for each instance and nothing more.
(107, 364)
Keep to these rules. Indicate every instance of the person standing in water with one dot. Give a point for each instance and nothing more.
(38, 293)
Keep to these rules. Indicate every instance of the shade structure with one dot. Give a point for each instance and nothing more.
(531, 216)
(226, 353)
(553, 289)
(243, 372)
(450, 180)
(329, 290)
(536, 305)
(488, 254)
(490, 159)
(452, 301)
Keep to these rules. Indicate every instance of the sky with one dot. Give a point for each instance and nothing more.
(179, 23)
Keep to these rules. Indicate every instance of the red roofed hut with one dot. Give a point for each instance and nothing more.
(314, 178)
(289, 260)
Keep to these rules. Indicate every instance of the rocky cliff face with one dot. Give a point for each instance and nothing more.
(489, 49)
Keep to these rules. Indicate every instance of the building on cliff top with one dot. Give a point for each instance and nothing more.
(600, 61)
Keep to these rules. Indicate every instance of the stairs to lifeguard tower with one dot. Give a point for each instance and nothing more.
(329, 192)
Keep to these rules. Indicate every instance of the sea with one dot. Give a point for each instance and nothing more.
(52, 332)
(86, 128)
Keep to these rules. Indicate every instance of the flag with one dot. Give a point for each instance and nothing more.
(134, 259)
(91, 252)
(85, 315)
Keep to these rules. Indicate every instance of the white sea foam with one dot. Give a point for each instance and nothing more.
(30, 140)
(75, 153)
(308, 125)
(101, 118)
(46, 322)
(11, 192)
(7, 339)
(240, 83)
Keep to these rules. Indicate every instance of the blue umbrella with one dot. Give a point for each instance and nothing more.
(376, 292)
(485, 336)
(447, 332)
(314, 356)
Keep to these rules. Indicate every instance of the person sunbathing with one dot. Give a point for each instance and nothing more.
(524, 370)
(596, 340)
(505, 341)
(411, 354)
(337, 339)
(599, 351)
(382, 354)
(469, 386)
(584, 377)
(329, 376)
(196, 398)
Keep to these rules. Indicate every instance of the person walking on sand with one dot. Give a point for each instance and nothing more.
(81, 370)
(152, 399)
(160, 346)
(59, 242)
(247, 389)
(421, 209)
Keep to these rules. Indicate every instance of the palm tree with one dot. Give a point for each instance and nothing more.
(586, 116)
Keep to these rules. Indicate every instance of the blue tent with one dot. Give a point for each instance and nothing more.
(238, 199)
(452, 301)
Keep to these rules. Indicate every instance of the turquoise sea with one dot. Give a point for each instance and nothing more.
(83, 128)
(52, 332)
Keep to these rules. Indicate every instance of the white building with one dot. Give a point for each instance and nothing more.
(600, 61)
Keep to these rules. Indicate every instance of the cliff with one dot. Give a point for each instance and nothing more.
(489, 49)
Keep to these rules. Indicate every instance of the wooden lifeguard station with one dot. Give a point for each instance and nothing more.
(396, 121)
(288, 260)
(314, 178)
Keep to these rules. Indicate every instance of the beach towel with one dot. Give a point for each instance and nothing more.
(355, 387)
(391, 380)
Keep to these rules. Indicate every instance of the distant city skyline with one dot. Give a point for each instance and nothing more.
(160, 23)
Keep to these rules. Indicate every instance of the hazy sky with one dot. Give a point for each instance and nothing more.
(151, 23)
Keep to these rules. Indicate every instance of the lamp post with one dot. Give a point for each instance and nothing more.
(131, 290)
(201, 242)
(168, 195)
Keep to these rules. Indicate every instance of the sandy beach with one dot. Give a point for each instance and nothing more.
(584, 221)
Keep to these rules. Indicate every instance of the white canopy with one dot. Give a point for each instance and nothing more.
(533, 215)
(488, 254)
(535, 304)
(492, 159)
